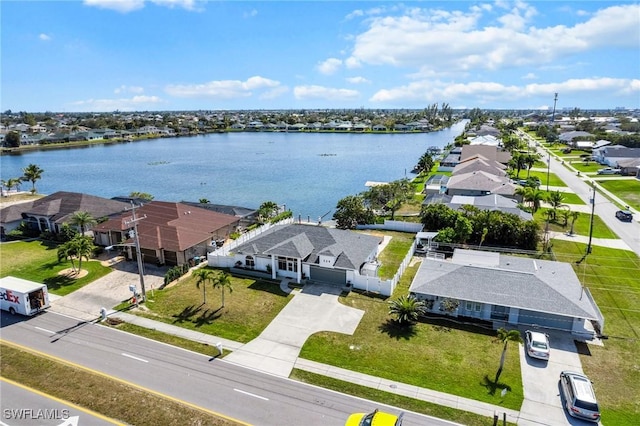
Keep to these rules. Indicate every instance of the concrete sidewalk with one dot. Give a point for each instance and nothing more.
(601, 242)
(273, 365)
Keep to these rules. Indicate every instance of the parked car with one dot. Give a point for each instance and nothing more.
(376, 418)
(578, 396)
(609, 171)
(624, 215)
(537, 345)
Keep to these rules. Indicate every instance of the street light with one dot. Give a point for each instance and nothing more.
(593, 207)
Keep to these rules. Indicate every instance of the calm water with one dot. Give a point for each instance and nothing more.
(307, 172)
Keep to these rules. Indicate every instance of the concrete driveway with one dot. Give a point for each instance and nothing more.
(542, 402)
(108, 291)
(315, 308)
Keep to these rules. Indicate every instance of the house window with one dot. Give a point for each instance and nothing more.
(500, 313)
(249, 262)
(288, 264)
(473, 306)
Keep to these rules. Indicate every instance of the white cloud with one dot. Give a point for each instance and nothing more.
(122, 6)
(439, 40)
(327, 93)
(126, 6)
(128, 89)
(250, 14)
(329, 66)
(481, 92)
(358, 80)
(44, 37)
(356, 13)
(135, 103)
(529, 76)
(274, 93)
(222, 89)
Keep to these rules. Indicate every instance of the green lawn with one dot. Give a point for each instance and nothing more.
(248, 309)
(580, 227)
(554, 180)
(38, 261)
(591, 167)
(436, 354)
(569, 198)
(626, 189)
(394, 253)
(612, 277)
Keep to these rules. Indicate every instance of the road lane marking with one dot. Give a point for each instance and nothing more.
(134, 357)
(61, 401)
(252, 394)
(134, 385)
(45, 330)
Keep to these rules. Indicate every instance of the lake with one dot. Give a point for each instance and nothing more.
(308, 172)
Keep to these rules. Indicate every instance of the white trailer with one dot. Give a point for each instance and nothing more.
(24, 297)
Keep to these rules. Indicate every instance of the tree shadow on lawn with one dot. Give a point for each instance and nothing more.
(396, 330)
(50, 266)
(59, 281)
(208, 317)
(492, 386)
(442, 323)
(187, 313)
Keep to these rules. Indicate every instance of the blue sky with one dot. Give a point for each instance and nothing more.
(133, 55)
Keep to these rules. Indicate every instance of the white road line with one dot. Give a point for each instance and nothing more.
(252, 394)
(45, 330)
(134, 357)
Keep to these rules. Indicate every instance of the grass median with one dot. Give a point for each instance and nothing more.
(109, 397)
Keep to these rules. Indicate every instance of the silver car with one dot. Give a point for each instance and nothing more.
(537, 345)
(578, 396)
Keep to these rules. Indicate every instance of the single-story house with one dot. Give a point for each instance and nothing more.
(246, 215)
(480, 183)
(485, 140)
(491, 202)
(487, 151)
(169, 233)
(480, 163)
(436, 184)
(568, 137)
(312, 252)
(51, 212)
(508, 291)
(611, 155)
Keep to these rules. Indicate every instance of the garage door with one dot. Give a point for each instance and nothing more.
(545, 320)
(337, 276)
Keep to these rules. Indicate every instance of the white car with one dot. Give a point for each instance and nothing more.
(537, 345)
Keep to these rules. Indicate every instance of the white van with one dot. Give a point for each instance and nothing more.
(24, 297)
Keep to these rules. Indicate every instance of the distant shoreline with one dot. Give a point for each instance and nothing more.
(79, 144)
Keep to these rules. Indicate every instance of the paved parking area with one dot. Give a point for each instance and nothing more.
(542, 403)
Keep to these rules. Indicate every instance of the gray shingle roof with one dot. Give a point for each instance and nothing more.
(536, 285)
(308, 242)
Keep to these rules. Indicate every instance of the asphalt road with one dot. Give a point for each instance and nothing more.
(26, 407)
(629, 232)
(242, 394)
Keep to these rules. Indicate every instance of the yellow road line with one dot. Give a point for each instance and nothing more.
(142, 388)
(62, 401)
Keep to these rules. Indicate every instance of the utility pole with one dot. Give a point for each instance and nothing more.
(553, 119)
(593, 207)
(135, 221)
(548, 169)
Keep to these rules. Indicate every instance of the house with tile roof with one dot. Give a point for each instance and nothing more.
(51, 212)
(507, 291)
(318, 253)
(169, 233)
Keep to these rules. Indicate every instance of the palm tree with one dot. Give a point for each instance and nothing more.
(203, 275)
(267, 210)
(425, 163)
(406, 309)
(223, 280)
(535, 197)
(66, 251)
(506, 336)
(529, 161)
(32, 173)
(84, 247)
(82, 219)
(574, 216)
(555, 199)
